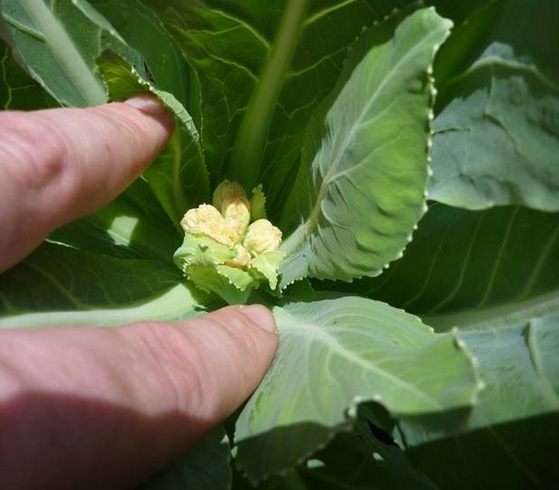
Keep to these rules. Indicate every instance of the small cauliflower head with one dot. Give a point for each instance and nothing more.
(223, 251)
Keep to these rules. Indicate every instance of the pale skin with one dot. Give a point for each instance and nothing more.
(93, 407)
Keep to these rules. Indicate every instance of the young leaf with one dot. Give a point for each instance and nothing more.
(496, 141)
(364, 190)
(334, 354)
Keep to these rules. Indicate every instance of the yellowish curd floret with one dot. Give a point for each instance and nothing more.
(242, 260)
(226, 192)
(262, 236)
(207, 220)
(222, 249)
(236, 212)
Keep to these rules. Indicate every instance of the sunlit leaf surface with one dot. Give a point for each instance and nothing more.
(360, 194)
(351, 349)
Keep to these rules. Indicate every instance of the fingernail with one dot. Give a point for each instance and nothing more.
(261, 316)
(149, 104)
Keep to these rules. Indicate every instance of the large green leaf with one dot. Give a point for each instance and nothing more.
(361, 188)
(317, 62)
(514, 425)
(475, 268)
(132, 226)
(496, 140)
(61, 285)
(334, 354)
(178, 178)
(205, 466)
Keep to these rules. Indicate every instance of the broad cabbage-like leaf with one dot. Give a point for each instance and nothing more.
(514, 424)
(361, 188)
(335, 353)
(496, 140)
(17, 89)
(467, 268)
(59, 43)
(262, 71)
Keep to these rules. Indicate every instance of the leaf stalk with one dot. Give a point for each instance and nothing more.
(248, 150)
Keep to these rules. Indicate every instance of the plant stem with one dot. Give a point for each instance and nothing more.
(248, 151)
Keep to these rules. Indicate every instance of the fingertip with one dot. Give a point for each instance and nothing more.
(261, 316)
(151, 106)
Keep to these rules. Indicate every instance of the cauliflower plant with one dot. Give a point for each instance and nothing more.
(229, 246)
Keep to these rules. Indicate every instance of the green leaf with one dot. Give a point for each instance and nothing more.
(267, 265)
(317, 62)
(17, 89)
(124, 228)
(360, 196)
(475, 268)
(334, 354)
(58, 43)
(364, 458)
(459, 11)
(258, 87)
(514, 423)
(204, 466)
(249, 146)
(162, 61)
(61, 285)
(226, 52)
(496, 140)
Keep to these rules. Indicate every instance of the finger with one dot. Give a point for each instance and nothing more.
(60, 164)
(89, 406)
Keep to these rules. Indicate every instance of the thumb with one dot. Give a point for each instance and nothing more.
(213, 363)
(88, 405)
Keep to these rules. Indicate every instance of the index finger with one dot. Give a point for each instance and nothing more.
(60, 164)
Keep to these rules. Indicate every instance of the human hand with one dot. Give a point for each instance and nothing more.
(92, 407)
